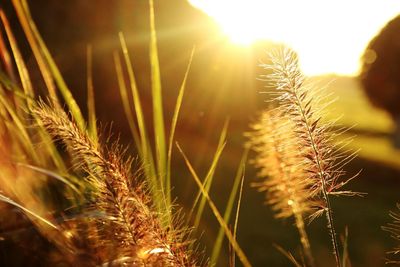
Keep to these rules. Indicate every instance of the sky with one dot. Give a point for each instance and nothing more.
(329, 36)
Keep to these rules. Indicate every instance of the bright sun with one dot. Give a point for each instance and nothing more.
(329, 36)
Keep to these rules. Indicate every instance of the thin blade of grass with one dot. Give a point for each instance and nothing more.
(144, 141)
(148, 161)
(11, 86)
(50, 146)
(7, 61)
(228, 210)
(235, 227)
(22, 133)
(210, 175)
(345, 255)
(125, 103)
(158, 116)
(235, 245)
(49, 62)
(4, 54)
(44, 137)
(172, 131)
(288, 255)
(45, 72)
(51, 174)
(29, 212)
(92, 128)
(210, 170)
(21, 67)
(51, 149)
(17, 140)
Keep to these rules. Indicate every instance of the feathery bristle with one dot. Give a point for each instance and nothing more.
(280, 163)
(394, 229)
(285, 181)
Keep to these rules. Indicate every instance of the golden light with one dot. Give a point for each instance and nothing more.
(329, 36)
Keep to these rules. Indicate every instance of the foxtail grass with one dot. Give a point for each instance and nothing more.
(285, 181)
(128, 217)
(322, 160)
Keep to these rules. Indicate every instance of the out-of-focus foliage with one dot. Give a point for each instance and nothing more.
(380, 74)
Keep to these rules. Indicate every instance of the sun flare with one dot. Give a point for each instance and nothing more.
(329, 36)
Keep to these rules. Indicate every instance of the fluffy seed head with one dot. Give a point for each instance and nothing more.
(280, 165)
(129, 231)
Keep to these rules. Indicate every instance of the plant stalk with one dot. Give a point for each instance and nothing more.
(303, 235)
(322, 178)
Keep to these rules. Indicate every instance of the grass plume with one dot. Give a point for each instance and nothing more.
(280, 165)
(322, 161)
(127, 214)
